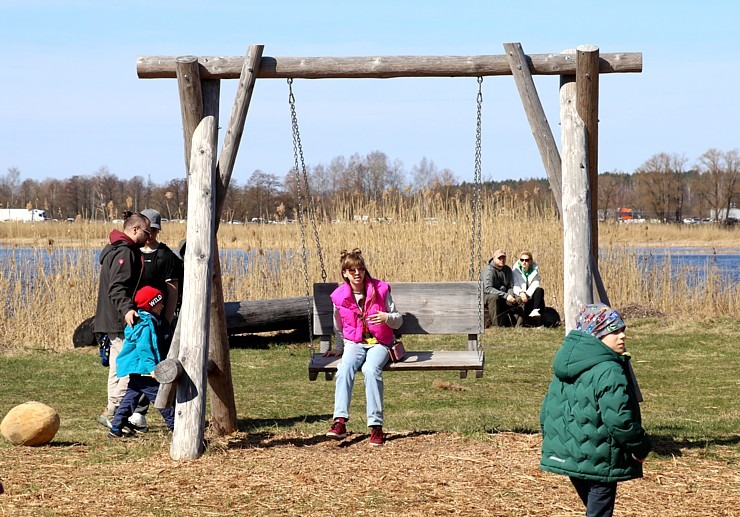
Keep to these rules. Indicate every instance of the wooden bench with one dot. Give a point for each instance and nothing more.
(427, 308)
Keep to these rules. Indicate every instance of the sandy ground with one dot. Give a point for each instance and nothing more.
(413, 474)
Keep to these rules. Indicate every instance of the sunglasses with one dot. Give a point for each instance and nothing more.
(354, 270)
(525, 260)
(143, 230)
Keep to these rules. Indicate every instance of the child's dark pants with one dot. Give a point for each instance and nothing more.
(597, 497)
(138, 385)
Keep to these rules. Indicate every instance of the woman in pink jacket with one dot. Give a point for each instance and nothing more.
(364, 319)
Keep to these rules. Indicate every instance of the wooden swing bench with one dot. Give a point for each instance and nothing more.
(427, 308)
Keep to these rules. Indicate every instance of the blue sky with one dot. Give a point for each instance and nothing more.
(71, 102)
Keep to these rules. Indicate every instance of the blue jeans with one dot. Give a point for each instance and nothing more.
(139, 385)
(598, 498)
(371, 358)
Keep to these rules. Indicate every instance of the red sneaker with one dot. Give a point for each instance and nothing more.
(337, 430)
(376, 436)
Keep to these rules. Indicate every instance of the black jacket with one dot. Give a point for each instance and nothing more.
(120, 273)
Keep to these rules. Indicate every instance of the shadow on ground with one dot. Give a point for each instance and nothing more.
(667, 445)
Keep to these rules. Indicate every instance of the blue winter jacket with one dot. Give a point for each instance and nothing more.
(140, 352)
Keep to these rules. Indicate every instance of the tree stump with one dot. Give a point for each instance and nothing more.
(32, 423)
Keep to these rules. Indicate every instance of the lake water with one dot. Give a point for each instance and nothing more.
(725, 263)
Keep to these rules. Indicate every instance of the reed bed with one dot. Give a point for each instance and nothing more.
(425, 239)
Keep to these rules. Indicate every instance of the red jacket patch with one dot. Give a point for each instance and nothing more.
(121, 261)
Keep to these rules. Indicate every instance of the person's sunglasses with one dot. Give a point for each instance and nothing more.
(354, 270)
(525, 260)
(143, 230)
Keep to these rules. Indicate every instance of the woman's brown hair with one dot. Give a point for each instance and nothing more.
(352, 259)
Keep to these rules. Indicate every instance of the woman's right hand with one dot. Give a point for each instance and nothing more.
(333, 353)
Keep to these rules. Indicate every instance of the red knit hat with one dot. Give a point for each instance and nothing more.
(147, 297)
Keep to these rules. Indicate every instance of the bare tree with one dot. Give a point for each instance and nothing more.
(732, 180)
(9, 187)
(608, 191)
(107, 189)
(424, 175)
(262, 189)
(661, 183)
(720, 180)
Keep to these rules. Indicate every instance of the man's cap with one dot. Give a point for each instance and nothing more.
(499, 253)
(155, 219)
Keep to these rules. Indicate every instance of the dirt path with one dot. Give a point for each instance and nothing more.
(414, 474)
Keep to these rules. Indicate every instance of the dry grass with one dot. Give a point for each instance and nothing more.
(414, 474)
(428, 241)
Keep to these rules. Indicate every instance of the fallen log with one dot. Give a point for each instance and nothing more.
(249, 317)
(246, 317)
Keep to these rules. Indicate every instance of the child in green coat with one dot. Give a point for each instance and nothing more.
(590, 418)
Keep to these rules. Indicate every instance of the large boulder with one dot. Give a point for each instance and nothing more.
(31, 423)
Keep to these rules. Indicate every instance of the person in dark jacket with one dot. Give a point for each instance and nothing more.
(590, 418)
(498, 292)
(162, 268)
(120, 273)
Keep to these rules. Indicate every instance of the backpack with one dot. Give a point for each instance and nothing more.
(550, 318)
(104, 350)
(84, 335)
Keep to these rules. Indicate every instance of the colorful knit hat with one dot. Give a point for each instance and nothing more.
(598, 320)
(147, 297)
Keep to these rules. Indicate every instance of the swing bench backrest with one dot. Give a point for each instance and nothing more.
(427, 308)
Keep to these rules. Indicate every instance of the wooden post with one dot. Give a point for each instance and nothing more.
(537, 119)
(587, 104)
(191, 99)
(168, 371)
(237, 121)
(577, 272)
(223, 405)
(187, 439)
(166, 394)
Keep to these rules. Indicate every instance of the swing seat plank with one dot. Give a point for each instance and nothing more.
(427, 308)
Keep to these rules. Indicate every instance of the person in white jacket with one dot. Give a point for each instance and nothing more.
(526, 280)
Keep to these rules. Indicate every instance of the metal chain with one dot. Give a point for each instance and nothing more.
(312, 217)
(298, 152)
(298, 155)
(476, 225)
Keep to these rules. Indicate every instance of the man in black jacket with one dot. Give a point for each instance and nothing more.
(120, 273)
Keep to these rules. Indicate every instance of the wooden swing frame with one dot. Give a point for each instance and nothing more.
(199, 89)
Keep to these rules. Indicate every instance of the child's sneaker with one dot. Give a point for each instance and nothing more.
(338, 429)
(535, 314)
(115, 433)
(376, 436)
(138, 419)
(135, 429)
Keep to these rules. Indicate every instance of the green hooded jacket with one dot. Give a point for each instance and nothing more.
(590, 419)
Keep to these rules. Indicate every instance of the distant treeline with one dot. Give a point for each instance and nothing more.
(663, 188)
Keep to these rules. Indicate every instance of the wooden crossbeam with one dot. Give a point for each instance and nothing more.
(219, 67)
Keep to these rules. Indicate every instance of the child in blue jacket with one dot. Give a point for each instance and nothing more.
(138, 358)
